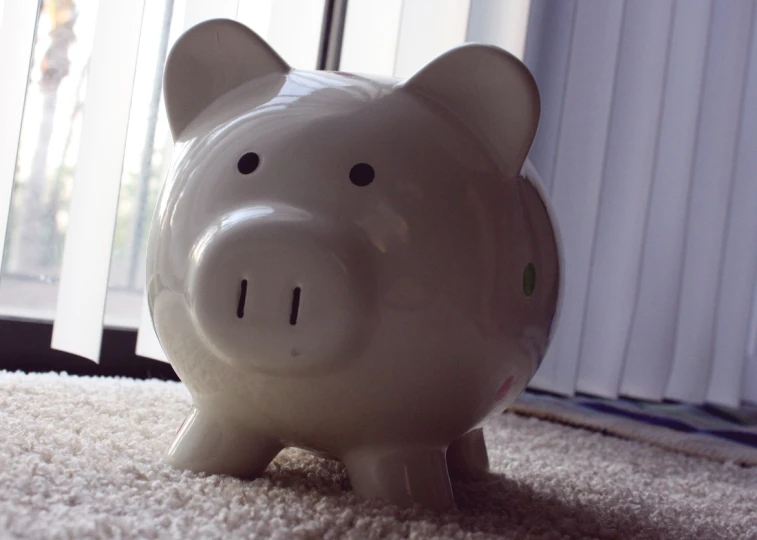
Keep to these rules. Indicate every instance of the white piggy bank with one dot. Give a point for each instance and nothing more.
(348, 264)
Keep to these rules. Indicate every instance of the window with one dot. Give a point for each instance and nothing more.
(50, 139)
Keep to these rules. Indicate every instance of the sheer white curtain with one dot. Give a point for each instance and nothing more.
(646, 145)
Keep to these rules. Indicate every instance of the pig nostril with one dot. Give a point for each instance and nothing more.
(242, 299)
(295, 306)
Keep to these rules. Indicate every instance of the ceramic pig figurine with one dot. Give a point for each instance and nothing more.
(349, 264)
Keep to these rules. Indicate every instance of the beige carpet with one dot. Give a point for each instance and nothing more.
(80, 458)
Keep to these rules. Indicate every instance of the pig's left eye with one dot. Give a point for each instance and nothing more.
(248, 163)
(362, 174)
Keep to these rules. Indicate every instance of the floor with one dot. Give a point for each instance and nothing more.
(81, 458)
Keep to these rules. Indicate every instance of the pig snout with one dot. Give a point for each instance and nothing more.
(277, 289)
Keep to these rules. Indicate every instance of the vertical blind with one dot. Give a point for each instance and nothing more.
(18, 22)
(646, 146)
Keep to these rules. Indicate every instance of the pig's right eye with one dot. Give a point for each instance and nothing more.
(248, 163)
(362, 174)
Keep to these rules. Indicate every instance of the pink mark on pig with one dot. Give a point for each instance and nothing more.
(504, 389)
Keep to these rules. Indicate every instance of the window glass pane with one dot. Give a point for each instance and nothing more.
(47, 153)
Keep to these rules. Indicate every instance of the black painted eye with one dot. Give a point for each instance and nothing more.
(248, 163)
(362, 174)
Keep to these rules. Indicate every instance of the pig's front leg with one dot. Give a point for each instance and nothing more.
(467, 456)
(402, 475)
(216, 445)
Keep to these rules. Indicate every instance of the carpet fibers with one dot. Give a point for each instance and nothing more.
(80, 458)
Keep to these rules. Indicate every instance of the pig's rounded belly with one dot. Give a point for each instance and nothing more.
(381, 398)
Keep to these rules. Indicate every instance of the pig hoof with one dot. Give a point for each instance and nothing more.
(206, 443)
(402, 476)
(467, 456)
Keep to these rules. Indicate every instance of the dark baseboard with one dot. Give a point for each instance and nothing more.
(25, 346)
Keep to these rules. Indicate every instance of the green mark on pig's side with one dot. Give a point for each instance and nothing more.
(529, 279)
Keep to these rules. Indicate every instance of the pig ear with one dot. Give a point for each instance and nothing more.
(489, 90)
(209, 60)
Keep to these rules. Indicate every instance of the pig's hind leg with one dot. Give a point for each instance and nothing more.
(467, 456)
(215, 445)
(403, 476)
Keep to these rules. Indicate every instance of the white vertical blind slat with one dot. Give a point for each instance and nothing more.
(739, 271)
(652, 337)
(371, 31)
(427, 29)
(626, 179)
(578, 174)
(550, 32)
(197, 11)
(295, 31)
(709, 196)
(499, 22)
(17, 27)
(256, 14)
(749, 382)
(94, 200)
